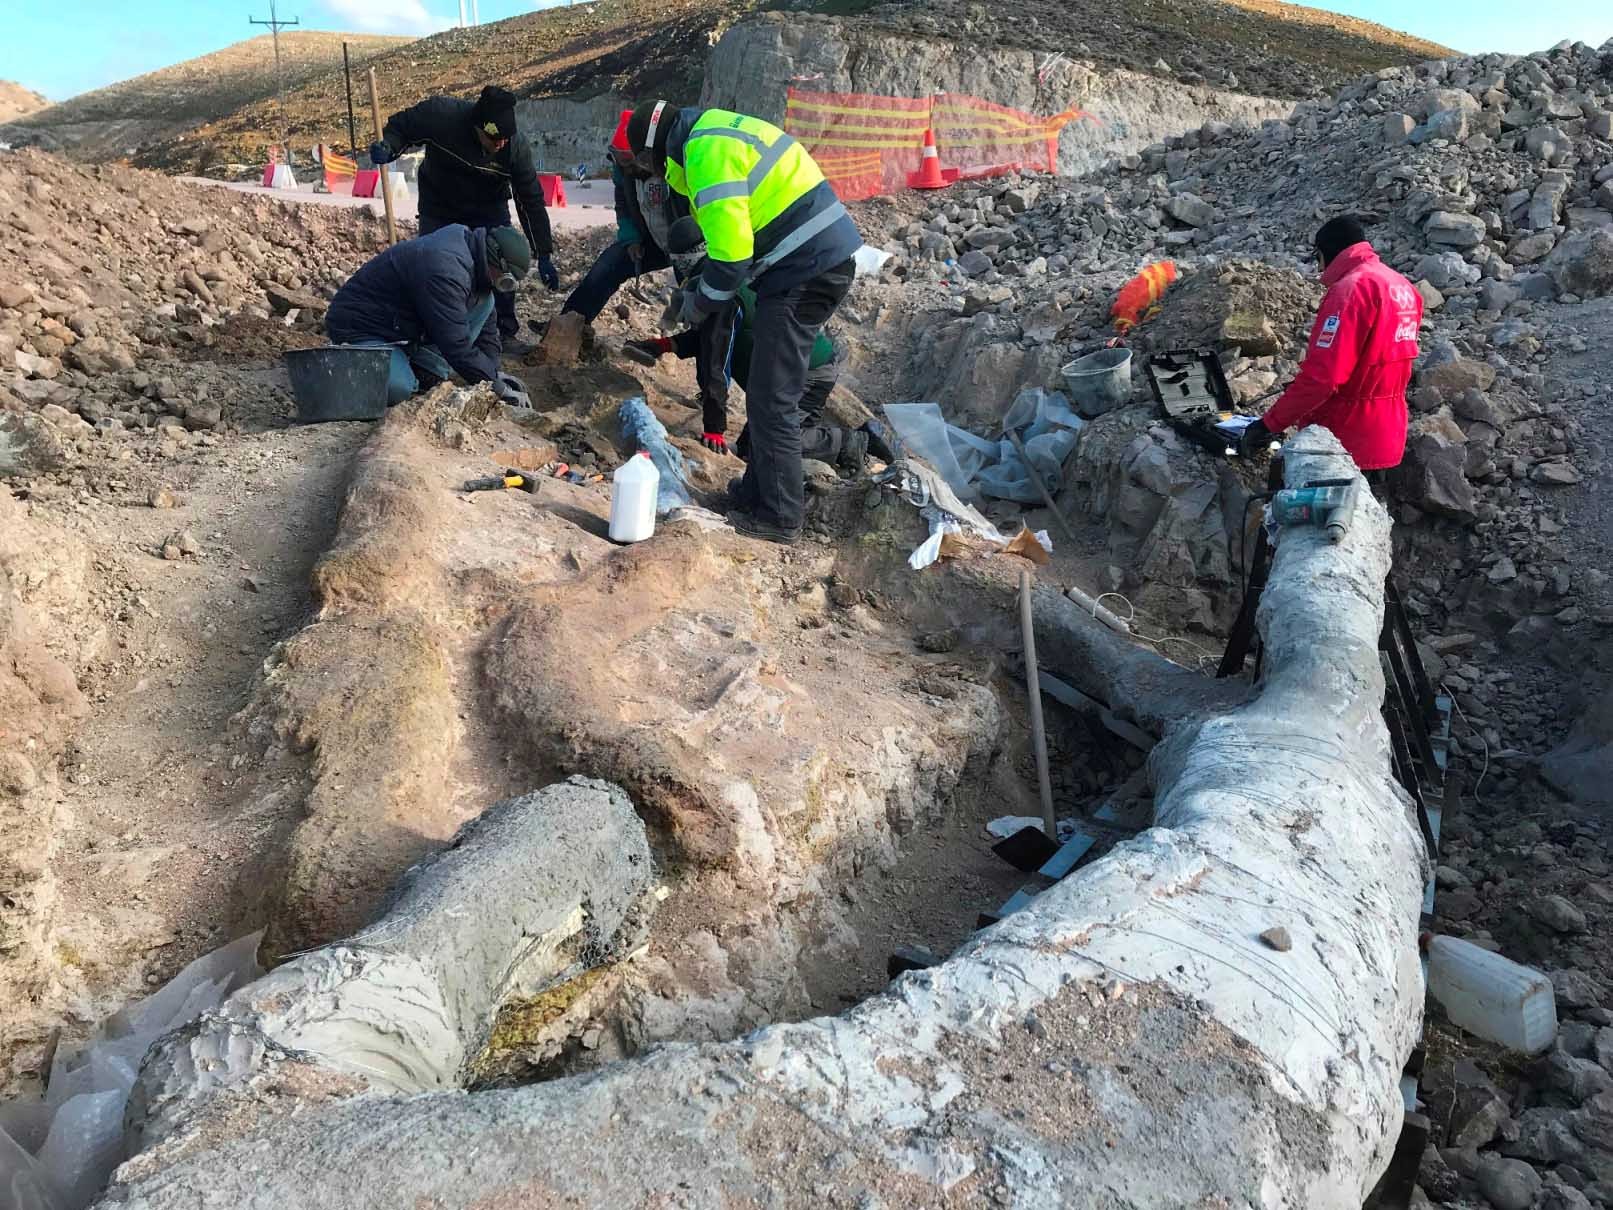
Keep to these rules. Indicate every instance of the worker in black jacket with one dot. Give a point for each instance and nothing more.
(475, 159)
(431, 299)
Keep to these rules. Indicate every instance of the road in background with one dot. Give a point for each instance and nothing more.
(588, 204)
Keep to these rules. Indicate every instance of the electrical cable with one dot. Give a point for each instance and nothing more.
(1466, 722)
(1206, 658)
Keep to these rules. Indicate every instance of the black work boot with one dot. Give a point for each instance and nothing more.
(854, 453)
(752, 526)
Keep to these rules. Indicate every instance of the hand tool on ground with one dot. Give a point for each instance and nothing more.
(1326, 503)
(1044, 782)
(521, 481)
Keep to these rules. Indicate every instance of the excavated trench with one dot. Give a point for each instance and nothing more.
(766, 769)
(814, 742)
(1127, 1039)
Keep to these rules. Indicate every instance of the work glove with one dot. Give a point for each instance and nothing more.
(510, 389)
(715, 442)
(381, 153)
(1256, 437)
(647, 352)
(547, 274)
(690, 314)
(670, 316)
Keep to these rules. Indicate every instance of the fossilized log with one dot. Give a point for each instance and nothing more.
(1127, 1040)
(535, 890)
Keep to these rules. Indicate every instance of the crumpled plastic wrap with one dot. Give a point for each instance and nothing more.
(57, 1151)
(640, 425)
(975, 466)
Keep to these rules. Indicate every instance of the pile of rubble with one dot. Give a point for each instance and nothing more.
(114, 280)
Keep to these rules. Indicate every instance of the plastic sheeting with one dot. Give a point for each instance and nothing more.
(975, 466)
(56, 1152)
(640, 425)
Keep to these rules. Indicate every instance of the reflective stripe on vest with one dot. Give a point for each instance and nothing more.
(816, 225)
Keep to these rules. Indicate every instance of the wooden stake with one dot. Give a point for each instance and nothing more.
(386, 189)
(1033, 686)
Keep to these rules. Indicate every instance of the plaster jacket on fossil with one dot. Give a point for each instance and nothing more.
(1126, 1040)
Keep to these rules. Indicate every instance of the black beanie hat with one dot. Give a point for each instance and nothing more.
(494, 113)
(1338, 234)
(639, 134)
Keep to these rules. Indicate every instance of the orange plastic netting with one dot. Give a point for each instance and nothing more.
(866, 144)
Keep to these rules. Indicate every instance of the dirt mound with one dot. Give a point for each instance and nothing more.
(18, 102)
(112, 271)
(1263, 310)
(108, 122)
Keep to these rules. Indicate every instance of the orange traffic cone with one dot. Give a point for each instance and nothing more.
(930, 174)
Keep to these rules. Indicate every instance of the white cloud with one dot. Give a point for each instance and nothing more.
(388, 16)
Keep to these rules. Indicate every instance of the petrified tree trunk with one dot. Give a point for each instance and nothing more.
(536, 890)
(1127, 1040)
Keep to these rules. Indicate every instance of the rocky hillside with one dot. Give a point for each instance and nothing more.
(108, 122)
(1259, 46)
(17, 101)
(576, 64)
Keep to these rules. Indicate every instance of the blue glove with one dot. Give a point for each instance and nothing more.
(381, 153)
(547, 274)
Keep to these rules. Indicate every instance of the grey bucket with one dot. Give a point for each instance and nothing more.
(1099, 382)
(339, 382)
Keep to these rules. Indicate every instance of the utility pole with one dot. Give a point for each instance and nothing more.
(461, 14)
(275, 25)
(475, 12)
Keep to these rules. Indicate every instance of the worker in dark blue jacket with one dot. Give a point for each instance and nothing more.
(476, 159)
(430, 299)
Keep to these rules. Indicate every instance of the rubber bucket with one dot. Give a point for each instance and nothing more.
(1099, 382)
(339, 382)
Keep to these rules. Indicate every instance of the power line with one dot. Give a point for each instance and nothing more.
(275, 25)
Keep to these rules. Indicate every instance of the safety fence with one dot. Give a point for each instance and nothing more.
(867, 144)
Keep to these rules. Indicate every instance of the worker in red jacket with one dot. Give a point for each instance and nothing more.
(1353, 379)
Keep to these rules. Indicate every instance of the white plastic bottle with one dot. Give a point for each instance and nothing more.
(1492, 996)
(632, 499)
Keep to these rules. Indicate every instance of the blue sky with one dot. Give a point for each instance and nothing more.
(62, 47)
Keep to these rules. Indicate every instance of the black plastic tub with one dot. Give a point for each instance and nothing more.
(339, 382)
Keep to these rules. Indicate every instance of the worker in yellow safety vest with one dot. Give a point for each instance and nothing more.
(773, 222)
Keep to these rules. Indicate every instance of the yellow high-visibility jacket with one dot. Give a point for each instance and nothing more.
(767, 213)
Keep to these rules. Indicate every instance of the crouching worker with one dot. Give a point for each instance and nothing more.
(722, 346)
(430, 299)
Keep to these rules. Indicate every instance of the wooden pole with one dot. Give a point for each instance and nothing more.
(386, 189)
(1033, 685)
(352, 127)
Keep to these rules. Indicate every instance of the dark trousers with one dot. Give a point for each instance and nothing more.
(504, 304)
(712, 347)
(786, 326)
(609, 273)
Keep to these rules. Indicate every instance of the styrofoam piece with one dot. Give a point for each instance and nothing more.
(1491, 996)
(870, 260)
